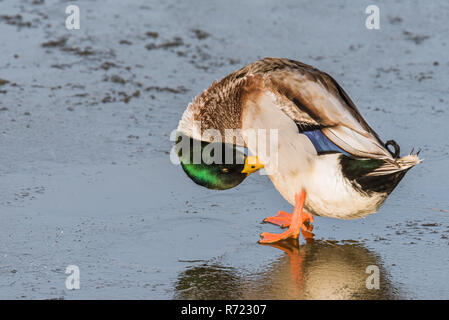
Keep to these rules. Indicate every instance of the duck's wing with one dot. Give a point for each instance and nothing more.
(311, 97)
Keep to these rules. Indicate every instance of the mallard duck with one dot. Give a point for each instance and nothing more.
(327, 162)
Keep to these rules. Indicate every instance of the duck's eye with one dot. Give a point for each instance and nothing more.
(224, 170)
(252, 167)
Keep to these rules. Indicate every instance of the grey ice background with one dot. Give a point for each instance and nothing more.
(85, 178)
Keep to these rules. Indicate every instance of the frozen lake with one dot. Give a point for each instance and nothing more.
(86, 179)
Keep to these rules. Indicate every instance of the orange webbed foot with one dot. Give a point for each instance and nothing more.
(267, 237)
(282, 219)
(298, 222)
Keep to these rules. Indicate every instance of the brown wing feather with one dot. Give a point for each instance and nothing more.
(322, 98)
(306, 94)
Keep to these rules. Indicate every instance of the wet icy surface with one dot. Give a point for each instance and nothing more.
(85, 176)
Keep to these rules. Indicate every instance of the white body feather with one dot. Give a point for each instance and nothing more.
(298, 166)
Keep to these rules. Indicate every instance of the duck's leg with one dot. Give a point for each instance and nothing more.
(297, 219)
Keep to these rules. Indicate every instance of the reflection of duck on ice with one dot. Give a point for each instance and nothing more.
(317, 270)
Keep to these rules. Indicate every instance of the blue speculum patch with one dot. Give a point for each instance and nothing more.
(322, 144)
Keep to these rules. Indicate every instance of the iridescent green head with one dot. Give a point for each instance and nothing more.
(216, 166)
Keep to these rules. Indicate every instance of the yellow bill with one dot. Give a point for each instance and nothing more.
(252, 164)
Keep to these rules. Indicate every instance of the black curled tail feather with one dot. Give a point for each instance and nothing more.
(397, 149)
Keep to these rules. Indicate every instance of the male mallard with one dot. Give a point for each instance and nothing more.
(327, 160)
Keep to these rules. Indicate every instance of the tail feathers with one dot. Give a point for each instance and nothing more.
(399, 164)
